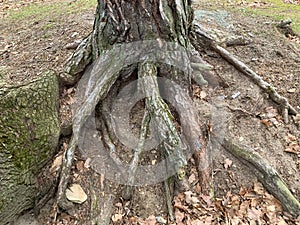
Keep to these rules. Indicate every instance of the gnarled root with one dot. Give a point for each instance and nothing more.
(99, 80)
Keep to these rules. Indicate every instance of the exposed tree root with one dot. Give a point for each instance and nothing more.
(203, 35)
(165, 130)
(172, 145)
(101, 201)
(164, 121)
(77, 62)
(68, 158)
(92, 97)
(190, 125)
(101, 208)
(134, 162)
(168, 184)
(266, 174)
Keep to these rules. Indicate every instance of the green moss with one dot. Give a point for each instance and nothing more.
(29, 132)
(28, 120)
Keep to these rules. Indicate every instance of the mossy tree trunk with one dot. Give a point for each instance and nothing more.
(29, 133)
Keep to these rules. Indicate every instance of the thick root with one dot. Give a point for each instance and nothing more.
(266, 174)
(101, 202)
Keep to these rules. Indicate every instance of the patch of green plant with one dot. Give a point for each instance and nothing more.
(48, 26)
(45, 36)
(39, 11)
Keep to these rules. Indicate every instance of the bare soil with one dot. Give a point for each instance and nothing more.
(241, 111)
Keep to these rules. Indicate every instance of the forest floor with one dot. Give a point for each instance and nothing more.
(40, 35)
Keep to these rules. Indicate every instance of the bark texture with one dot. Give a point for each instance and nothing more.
(123, 21)
(29, 132)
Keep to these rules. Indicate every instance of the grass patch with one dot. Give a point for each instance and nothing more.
(38, 11)
(277, 10)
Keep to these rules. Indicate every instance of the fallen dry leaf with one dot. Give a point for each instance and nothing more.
(56, 164)
(76, 194)
(192, 178)
(258, 188)
(116, 217)
(292, 90)
(179, 216)
(190, 199)
(227, 163)
(87, 163)
(290, 138)
(255, 214)
(266, 122)
(293, 148)
(79, 165)
(202, 94)
(151, 220)
(207, 199)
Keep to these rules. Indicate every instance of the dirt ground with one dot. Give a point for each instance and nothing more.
(238, 110)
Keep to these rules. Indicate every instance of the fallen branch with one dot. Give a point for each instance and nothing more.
(266, 174)
(205, 37)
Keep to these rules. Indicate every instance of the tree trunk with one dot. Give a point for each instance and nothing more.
(29, 132)
(130, 21)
